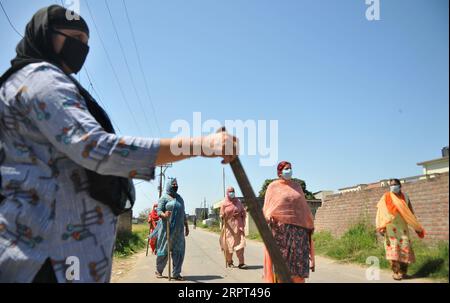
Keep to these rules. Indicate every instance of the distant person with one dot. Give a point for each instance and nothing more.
(291, 221)
(394, 215)
(153, 219)
(232, 239)
(171, 207)
(65, 173)
(195, 222)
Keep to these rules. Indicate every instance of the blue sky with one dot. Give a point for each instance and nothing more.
(356, 101)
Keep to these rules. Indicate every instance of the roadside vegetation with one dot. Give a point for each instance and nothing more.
(360, 242)
(128, 243)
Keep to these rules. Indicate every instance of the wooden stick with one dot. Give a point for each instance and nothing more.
(148, 239)
(222, 236)
(168, 248)
(255, 211)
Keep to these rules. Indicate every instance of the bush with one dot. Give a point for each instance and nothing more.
(128, 243)
(255, 236)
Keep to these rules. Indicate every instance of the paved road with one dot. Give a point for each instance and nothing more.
(204, 263)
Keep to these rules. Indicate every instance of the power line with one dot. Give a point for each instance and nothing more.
(9, 20)
(130, 74)
(141, 67)
(98, 97)
(112, 67)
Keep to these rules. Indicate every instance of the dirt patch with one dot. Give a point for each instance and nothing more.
(121, 266)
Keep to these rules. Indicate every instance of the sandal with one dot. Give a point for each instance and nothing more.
(242, 266)
(158, 275)
(397, 277)
(178, 278)
(230, 265)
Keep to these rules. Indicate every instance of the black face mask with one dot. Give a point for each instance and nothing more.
(73, 53)
(175, 188)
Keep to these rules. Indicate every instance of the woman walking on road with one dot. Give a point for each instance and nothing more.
(232, 239)
(394, 215)
(153, 219)
(291, 222)
(171, 207)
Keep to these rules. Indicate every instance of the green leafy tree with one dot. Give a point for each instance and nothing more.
(309, 195)
(143, 215)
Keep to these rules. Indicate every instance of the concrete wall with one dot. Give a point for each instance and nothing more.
(429, 197)
(124, 223)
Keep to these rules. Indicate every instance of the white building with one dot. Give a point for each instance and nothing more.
(436, 166)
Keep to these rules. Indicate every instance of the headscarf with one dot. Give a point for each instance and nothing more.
(286, 203)
(153, 216)
(280, 167)
(389, 205)
(37, 44)
(169, 187)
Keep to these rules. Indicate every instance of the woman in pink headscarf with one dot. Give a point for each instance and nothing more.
(291, 222)
(232, 239)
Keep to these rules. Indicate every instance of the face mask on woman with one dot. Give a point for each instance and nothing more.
(73, 53)
(395, 189)
(286, 174)
(231, 195)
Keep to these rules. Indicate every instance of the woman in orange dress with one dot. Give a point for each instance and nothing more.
(394, 215)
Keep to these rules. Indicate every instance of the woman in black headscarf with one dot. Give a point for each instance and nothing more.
(65, 174)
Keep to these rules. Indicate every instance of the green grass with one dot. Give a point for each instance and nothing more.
(255, 237)
(129, 243)
(214, 228)
(360, 242)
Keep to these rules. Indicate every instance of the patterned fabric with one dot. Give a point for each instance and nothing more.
(50, 139)
(397, 242)
(294, 245)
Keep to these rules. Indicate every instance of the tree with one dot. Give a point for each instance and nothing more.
(308, 195)
(143, 215)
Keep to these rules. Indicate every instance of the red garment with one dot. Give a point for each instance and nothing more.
(390, 205)
(153, 219)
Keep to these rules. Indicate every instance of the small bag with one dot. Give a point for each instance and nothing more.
(112, 191)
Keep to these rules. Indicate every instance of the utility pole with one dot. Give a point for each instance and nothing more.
(205, 211)
(223, 180)
(162, 175)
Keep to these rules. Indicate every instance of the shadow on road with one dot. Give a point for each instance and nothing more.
(427, 268)
(199, 279)
(250, 267)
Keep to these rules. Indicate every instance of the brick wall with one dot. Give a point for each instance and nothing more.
(429, 198)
